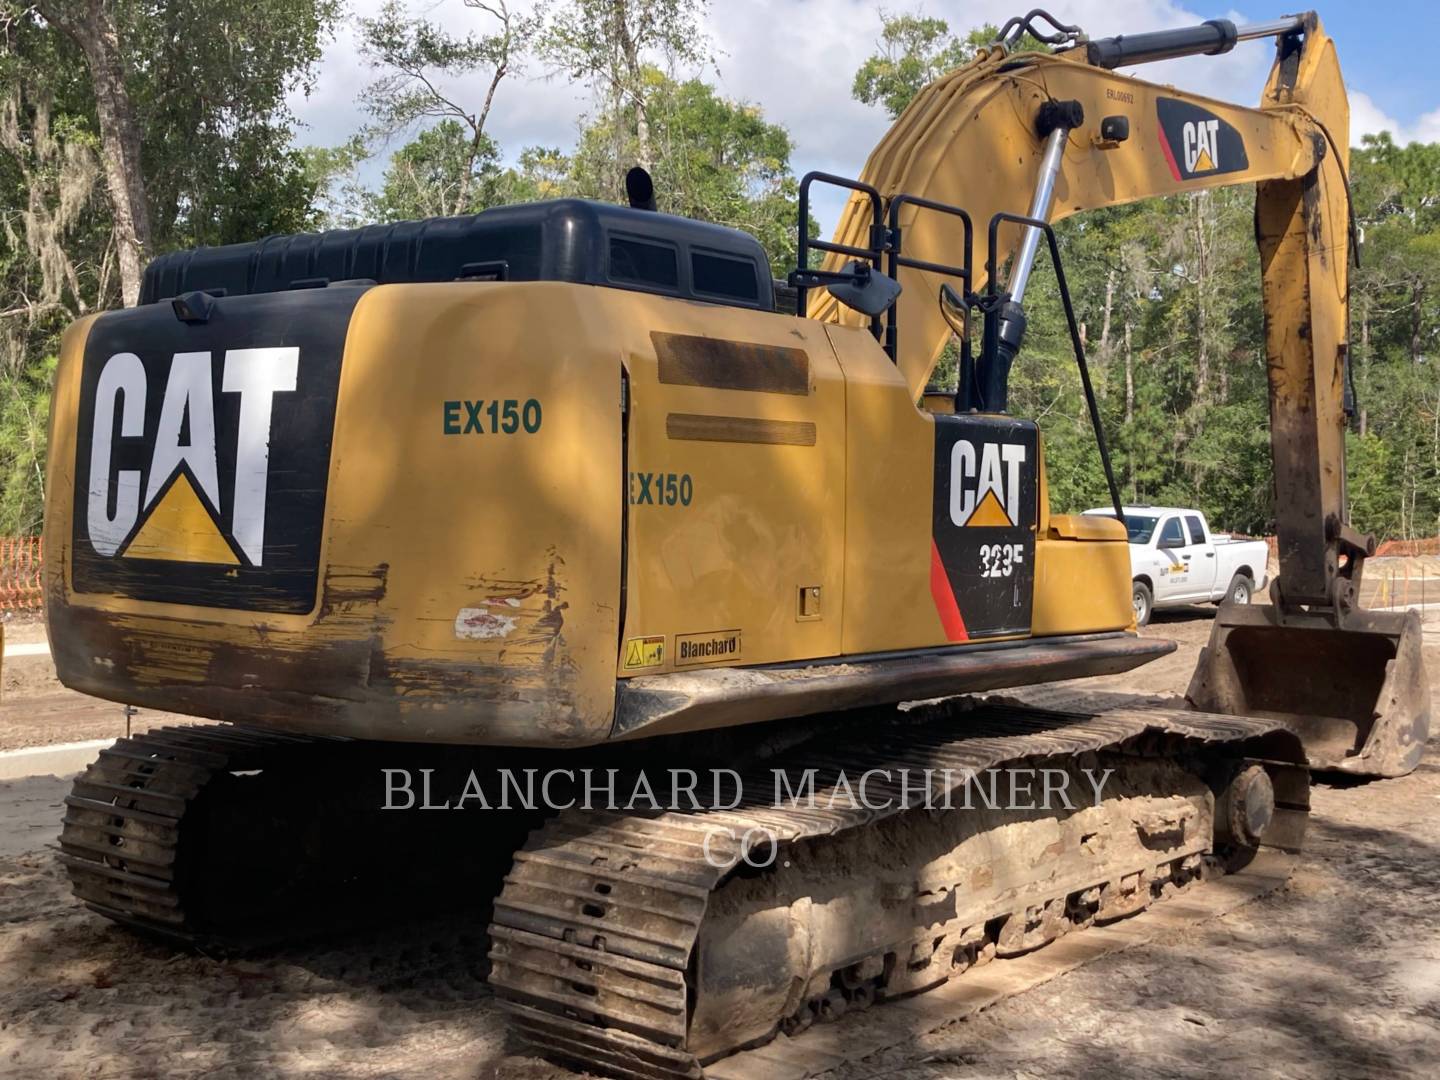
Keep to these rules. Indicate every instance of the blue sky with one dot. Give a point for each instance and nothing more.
(796, 59)
(1370, 37)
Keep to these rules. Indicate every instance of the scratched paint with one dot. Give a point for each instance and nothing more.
(477, 624)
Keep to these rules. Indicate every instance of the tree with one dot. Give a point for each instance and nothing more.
(541, 172)
(92, 26)
(57, 254)
(441, 172)
(915, 50)
(614, 45)
(174, 88)
(129, 127)
(341, 200)
(417, 56)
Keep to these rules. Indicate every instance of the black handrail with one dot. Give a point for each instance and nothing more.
(892, 329)
(804, 278)
(884, 241)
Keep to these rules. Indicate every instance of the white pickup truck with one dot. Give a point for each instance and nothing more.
(1175, 559)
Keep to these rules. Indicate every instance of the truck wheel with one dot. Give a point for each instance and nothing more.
(1144, 602)
(1240, 590)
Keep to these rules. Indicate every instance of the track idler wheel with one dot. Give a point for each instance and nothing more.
(1245, 809)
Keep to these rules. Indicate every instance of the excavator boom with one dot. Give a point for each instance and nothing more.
(1067, 127)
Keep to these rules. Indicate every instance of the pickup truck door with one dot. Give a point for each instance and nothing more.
(1200, 555)
(1172, 576)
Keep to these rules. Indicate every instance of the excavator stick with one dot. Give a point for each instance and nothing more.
(1349, 682)
(1356, 696)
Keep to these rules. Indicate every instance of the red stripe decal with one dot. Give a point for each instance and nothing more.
(950, 616)
(1169, 154)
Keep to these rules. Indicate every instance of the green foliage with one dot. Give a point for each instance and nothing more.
(208, 85)
(433, 173)
(24, 411)
(1183, 276)
(607, 43)
(1394, 471)
(332, 174)
(416, 56)
(261, 186)
(1167, 294)
(452, 166)
(914, 51)
(542, 172)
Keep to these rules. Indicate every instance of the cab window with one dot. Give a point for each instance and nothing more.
(1171, 535)
(1197, 531)
(644, 263)
(733, 279)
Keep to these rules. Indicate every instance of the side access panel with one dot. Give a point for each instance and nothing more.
(983, 572)
(941, 514)
(736, 464)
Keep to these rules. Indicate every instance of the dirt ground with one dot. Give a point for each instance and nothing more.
(35, 710)
(1336, 975)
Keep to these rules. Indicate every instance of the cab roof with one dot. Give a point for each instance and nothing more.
(576, 240)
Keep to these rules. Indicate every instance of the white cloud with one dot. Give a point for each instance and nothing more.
(528, 111)
(1367, 118)
(796, 59)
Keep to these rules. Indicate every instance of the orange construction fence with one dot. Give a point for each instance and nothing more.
(20, 560)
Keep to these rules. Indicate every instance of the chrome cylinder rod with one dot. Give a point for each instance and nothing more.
(1040, 207)
(1250, 31)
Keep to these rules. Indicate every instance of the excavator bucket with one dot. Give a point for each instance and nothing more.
(1357, 697)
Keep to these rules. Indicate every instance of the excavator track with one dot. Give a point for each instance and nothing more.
(121, 838)
(640, 944)
(824, 1047)
(637, 945)
(232, 838)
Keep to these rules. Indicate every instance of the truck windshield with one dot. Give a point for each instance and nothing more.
(1140, 528)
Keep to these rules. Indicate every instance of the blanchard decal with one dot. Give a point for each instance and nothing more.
(707, 648)
(644, 652)
(1196, 142)
(203, 452)
(983, 540)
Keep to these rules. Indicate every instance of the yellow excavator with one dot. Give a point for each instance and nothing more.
(564, 491)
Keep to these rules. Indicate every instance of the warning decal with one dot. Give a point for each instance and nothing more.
(644, 652)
